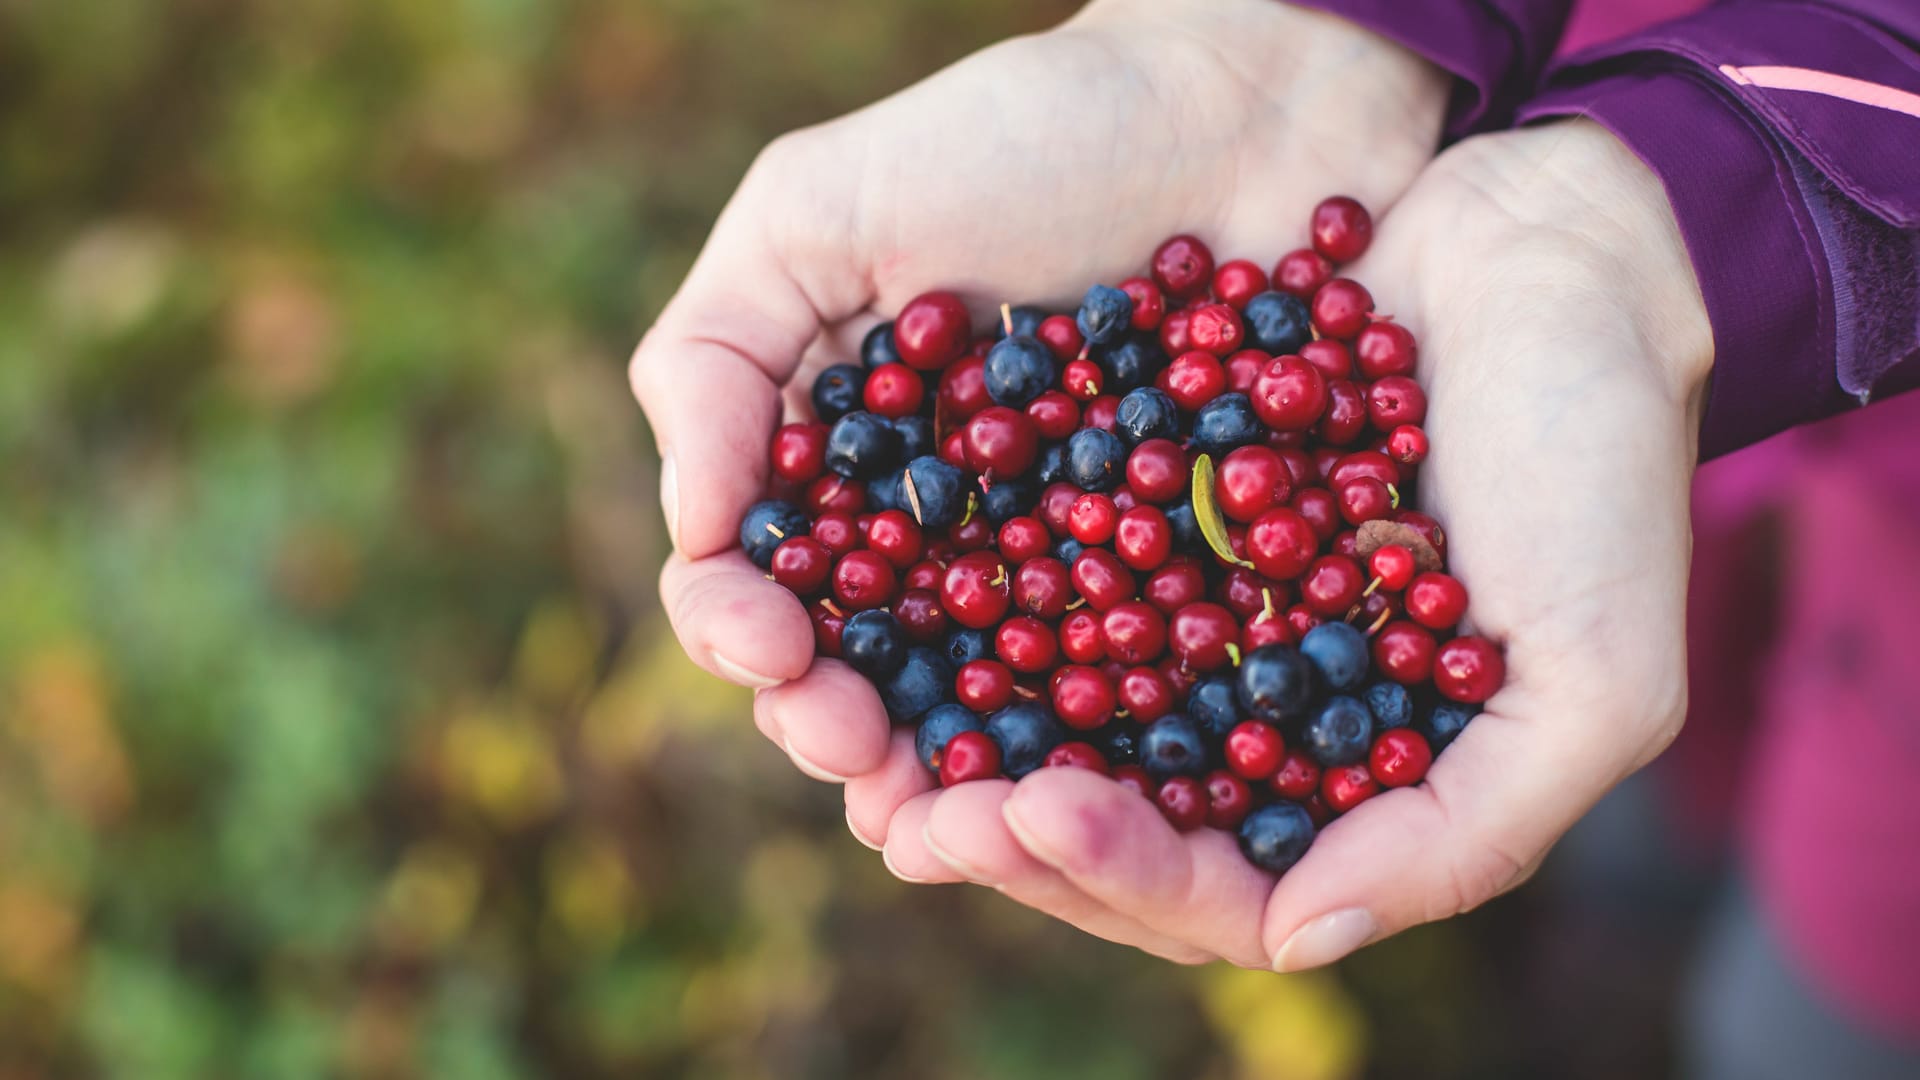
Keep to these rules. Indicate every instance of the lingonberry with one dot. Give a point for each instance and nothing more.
(1426, 526)
(1237, 281)
(1468, 669)
(1145, 693)
(1156, 471)
(1277, 323)
(1134, 631)
(1301, 620)
(1099, 415)
(1339, 732)
(1083, 380)
(863, 580)
(1407, 445)
(1061, 337)
(970, 536)
(1022, 538)
(932, 330)
(1342, 229)
(802, 564)
(1320, 509)
(1359, 463)
(1378, 609)
(1092, 518)
(1216, 329)
(1347, 787)
(1399, 758)
(1100, 577)
(1281, 543)
(1331, 586)
(1080, 639)
(1404, 651)
(1346, 543)
(1143, 539)
(1183, 267)
(1000, 441)
(1297, 777)
(969, 755)
(1194, 379)
(1076, 755)
(1026, 644)
(1341, 307)
(1436, 601)
(1290, 395)
(1274, 836)
(963, 388)
(1254, 750)
(1083, 698)
(1394, 400)
(919, 611)
(1179, 583)
(1364, 499)
(1243, 369)
(1249, 482)
(1174, 338)
(1266, 628)
(1276, 684)
(1246, 593)
(1329, 357)
(800, 452)
(953, 449)
(1149, 306)
(1026, 732)
(837, 531)
(894, 390)
(1345, 417)
(983, 685)
(1229, 800)
(1385, 348)
(1042, 587)
(977, 589)
(1301, 273)
(1183, 802)
(896, 537)
(835, 493)
(1178, 675)
(1393, 566)
(1054, 415)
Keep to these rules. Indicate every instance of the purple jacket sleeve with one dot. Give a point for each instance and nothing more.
(1787, 134)
(1495, 48)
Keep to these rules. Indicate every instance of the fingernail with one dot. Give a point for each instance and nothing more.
(1326, 939)
(745, 676)
(887, 858)
(810, 768)
(955, 863)
(858, 835)
(1026, 838)
(670, 497)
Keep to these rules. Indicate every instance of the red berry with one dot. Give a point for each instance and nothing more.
(1183, 802)
(1174, 338)
(976, 591)
(1216, 329)
(1054, 415)
(1083, 380)
(1407, 445)
(970, 755)
(800, 452)
(1400, 757)
(1229, 800)
(1145, 693)
(984, 685)
(1023, 538)
(1302, 272)
(1332, 585)
(1469, 669)
(1061, 335)
(963, 388)
(802, 564)
(932, 330)
(1290, 395)
(1250, 481)
(920, 613)
(827, 628)
(1426, 526)
(894, 390)
(1393, 565)
(1099, 576)
(1347, 787)
(1341, 307)
(1317, 810)
(1201, 635)
(1101, 412)
(1083, 698)
(1026, 645)
(1080, 639)
(1183, 267)
(1342, 229)
(837, 531)
(1436, 601)
(1076, 755)
(1143, 539)
(1157, 471)
(1345, 419)
(1179, 583)
(925, 574)
(1042, 587)
(953, 448)
(971, 535)
(1329, 358)
(1243, 369)
(1135, 779)
(1394, 400)
(863, 580)
(1385, 348)
(1300, 619)
(1281, 543)
(1092, 518)
(1194, 379)
(835, 493)
(1149, 306)
(1237, 282)
(1055, 503)
(1255, 750)
(1364, 499)
(1350, 467)
(1134, 631)
(1266, 629)
(896, 536)
(1001, 441)
(1403, 652)
(1297, 777)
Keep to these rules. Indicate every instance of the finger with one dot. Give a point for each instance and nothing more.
(967, 832)
(1115, 846)
(906, 853)
(829, 720)
(873, 797)
(734, 622)
(709, 372)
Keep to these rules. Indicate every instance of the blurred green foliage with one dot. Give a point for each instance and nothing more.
(339, 735)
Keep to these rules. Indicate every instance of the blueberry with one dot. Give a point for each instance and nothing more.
(1105, 314)
(1445, 722)
(1067, 549)
(1339, 652)
(938, 497)
(1026, 320)
(766, 525)
(1225, 423)
(875, 644)
(1275, 836)
(1118, 741)
(965, 645)
(836, 392)
(1053, 464)
(1129, 363)
(1187, 536)
(1278, 323)
(862, 446)
(877, 347)
(925, 680)
(884, 493)
(1008, 498)
(938, 728)
(1173, 746)
(1019, 369)
(1026, 731)
(916, 436)
(1390, 704)
(1146, 413)
(1096, 459)
(1276, 683)
(1213, 704)
(1340, 733)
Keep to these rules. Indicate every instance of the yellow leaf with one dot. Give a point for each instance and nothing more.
(1206, 511)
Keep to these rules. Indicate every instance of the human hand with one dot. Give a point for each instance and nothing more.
(1022, 173)
(1565, 349)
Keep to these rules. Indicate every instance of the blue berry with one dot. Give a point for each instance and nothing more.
(1274, 836)
(1445, 723)
(1118, 741)
(1339, 652)
(1276, 683)
(862, 446)
(1096, 460)
(1187, 536)
(1390, 704)
(937, 729)
(875, 644)
(1278, 323)
(836, 392)
(877, 347)
(1018, 370)
(938, 498)
(1129, 363)
(916, 436)
(1026, 732)
(1008, 498)
(1173, 746)
(1340, 733)
(1226, 423)
(1214, 703)
(1105, 314)
(965, 645)
(767, 525)
(1026, 320)
(1067, 549)
(1146, 413)
(925, 680)
(1053, 464)
(883, 493)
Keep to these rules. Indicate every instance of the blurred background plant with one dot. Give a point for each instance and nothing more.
(339, 735)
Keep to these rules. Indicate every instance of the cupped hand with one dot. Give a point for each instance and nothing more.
(1564, 347)
(1023, 173)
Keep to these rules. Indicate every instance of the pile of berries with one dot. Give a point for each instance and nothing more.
(1168, 538)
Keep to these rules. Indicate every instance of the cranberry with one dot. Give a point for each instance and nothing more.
(1317, 810)
(1143, 539)
(1194, 379)
(1290, 395)
(1023, 538)
(1300, 619)
(1183, 267)
(1297, 777)
(1179, 583)
(1216, 329)
(1247, 594)
(1403, 652)
(925, 574)
(1329, 358)
(896, 536)
(1135, 632)
(1394, 400)
(1229, 800)
(932, 330)
(1342, 229)
(1178, 675)
(1080, 639)
(1042, 587)
(1102, 412)
(1157, 471)
(1254, 750)
(969, 755)
(1378, 610)
(984, 685)
(1174, 338)
(1400, 757)
(971, 535)
(1083, 380)
(800, 452)
(1092, 518)
(834, 493)
(1407, 445)
(1436, 601)
(828, 625)
(1469, 669)
(953, 448)
(894, 390)
(1145, 693)
(802, 564)
(1251, 481)
(1076, 755)
(1135, 779)
(1149, 306)
(1237, 282)
(1350, 467)
(976, 591)
(1341, 307)
(920, 613)
(863, 580)
(1385, 348)
(1026, 644)
(1202, 635)
(1266, 628)
(1426, 526)
(1099, 576)
(1243, 369)
(1302, 272)
(1061, 335)
(1393, 567)
(1054, 415)
(1055, 502)
(1365, 499)
(1001, 441)
(1183, 802)
(1332, 585)
(837, 531)
(1082, 696)
(1346, 415)
(1347, 787)
(1346, 542)
(963, 388)
(1281, 543)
